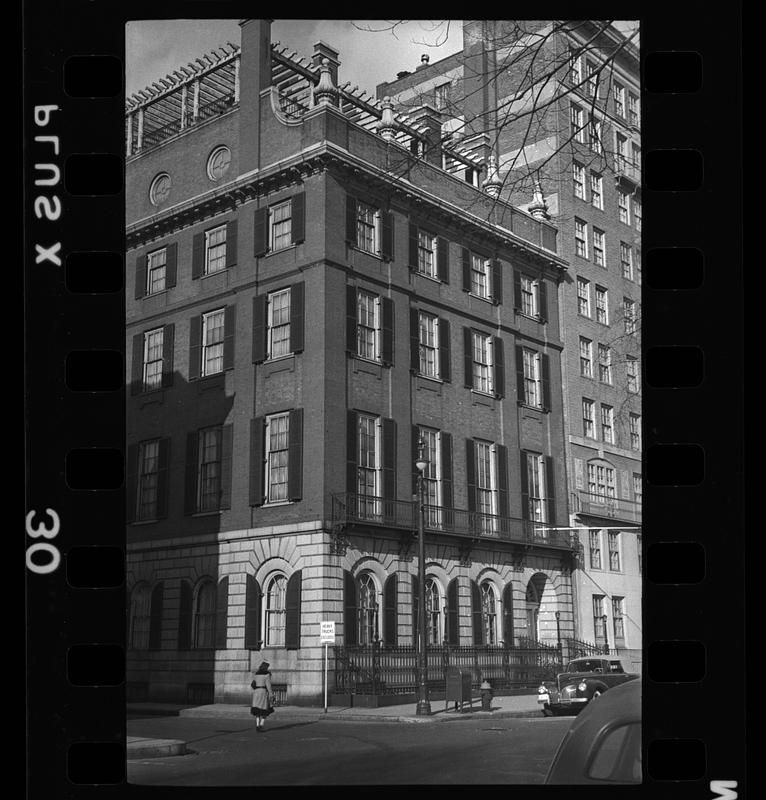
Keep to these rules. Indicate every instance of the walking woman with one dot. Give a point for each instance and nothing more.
(262, 695)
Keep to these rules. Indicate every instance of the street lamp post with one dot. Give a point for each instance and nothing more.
(606, 637)
(423, 706)
(558, 630)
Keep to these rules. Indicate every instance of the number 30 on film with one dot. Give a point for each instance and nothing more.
(51, 553)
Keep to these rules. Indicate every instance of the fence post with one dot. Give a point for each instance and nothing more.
(375, 664)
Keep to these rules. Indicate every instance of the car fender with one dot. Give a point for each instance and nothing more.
(595, 686)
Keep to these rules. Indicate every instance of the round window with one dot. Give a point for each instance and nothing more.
(160, 189)
(218, 163)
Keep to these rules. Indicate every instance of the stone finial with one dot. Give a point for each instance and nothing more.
(387, 124)
(493, 182)
(538, 207)
(424, 59)
(325, 92)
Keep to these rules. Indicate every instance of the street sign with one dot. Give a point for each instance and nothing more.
(327, 632)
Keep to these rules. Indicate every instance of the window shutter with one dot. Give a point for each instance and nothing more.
(198, 255)
(517, 290)
(415, 584)
(413, 239)
(550, 489)
(190, 495)
(155, 616)
(546, 380)
(252, 613)
(470, 473)
(468, 356)
(260, 232)
(414, 340)
(298, 222)
(349, 609)
(195, 347)
(293, 612)
(391, 612)
(257, 455)
(466, 270)
(131, 483)
(453, 619)
(141, 264)
(352, 454)
(231, 243)
(259, 328)
(351, 319)
(171, 265)
(297, 292)
(414, 455)
(387, 351)
(185, 616)
(295, 456)
(498, 359)
(501, 452)
(168, 337)
(351, 220)
(542, 300)
(442, 259)
(163, 462)
(520, 374)
(226, 458)
(524, 477)
(387, 235)
(508, 615)
(445, 364)
(137, 384)
(478, 628)
(497, 282)
(389, 459)
(229, 336)
(446, 465)
(221, 613)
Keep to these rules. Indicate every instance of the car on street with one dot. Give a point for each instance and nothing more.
(603, 745)
(583, 680)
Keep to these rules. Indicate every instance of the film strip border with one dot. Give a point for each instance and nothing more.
(693, 505)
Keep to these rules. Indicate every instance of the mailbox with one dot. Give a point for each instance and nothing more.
(458, 689)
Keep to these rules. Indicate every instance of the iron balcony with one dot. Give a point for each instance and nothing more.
(611, 507)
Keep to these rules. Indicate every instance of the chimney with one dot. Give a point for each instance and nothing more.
(254, 77)
(322, 50)
(431, 119)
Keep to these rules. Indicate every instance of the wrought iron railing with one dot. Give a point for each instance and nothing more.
(628, 169)
(600, 506)
(575, 648)
(351, 508)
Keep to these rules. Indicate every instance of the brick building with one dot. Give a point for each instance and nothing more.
(314, 294)
(561, 122)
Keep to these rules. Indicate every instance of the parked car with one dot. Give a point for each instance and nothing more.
(603, 745)
(584, 679)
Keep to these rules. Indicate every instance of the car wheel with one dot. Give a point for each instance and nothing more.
(547, 712)
(596, 694)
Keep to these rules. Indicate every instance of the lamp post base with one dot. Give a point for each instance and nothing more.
(423, 708)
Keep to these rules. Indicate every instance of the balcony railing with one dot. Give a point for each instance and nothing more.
(611, 507)
(351, 508)
(626, 169)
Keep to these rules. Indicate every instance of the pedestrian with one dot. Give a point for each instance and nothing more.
(263, 696)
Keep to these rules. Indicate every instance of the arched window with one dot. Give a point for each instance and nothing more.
(140, 600)
(367, 609)
(433, 612)
(274, 609)
(204, 616)
(489, 612)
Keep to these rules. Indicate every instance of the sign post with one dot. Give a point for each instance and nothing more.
(326, 636)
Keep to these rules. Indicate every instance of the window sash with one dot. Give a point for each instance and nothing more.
(529, 293)
(586, 357)
(536, 487)
(280, 225)
(594, 135)
(279, 324)
(215, 250)
(148, 479)
(433, 612)
(619, 100)
(635, 432)
(629, 309)
(428, 332)
(369, 465)
(367, 609)
(489, 613)
(581, 240)
(275, 612)
(277, 451)
(479, 276)
(614, 550)
(583, 297)
(212, 342)
(153, 347)
(531, 366)
(623, 206)
(210, 453)
(156, 267)
(426, 254)
(204, 617)
(596, 191)
(576, 124)
(595, 549)
(604, 364)
(367, 225)
(602, 306)
(578, 178)
(598, 248)
(482, 363)
(607, 424)
(368, 325)
(587, 418)
(626, 260)
(601, 481)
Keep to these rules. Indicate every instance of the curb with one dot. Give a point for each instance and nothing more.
(155, 748)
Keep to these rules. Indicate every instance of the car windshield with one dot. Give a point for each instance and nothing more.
(586, 665)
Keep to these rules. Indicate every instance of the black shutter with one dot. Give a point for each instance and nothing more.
(413, 239)
(168, 337)
(478, 628)
(499, 366)
(231, 243)
(131, 483)
(195, 347)
(470, 473)
(524, 477)
(298, 222)
(414, 457)
(296, 317)
(351, 220)
(387, 235)
(185, 613)
(542, 300)
(387, 351)
(414, 340)
(229, 336)
(497, 282)
(171, 265)
(293, 612)
(446, 465)
(352, 454)
(391, 610)
(260, 231)
(257, 443)
(445, 365)
(389, 459)
(198, 255)
(260, 317)
(546, 380)
(521, 394)
(550, 489)
(163, 463)
(508, 615)
(517, 290)
(468, 356)
(252, 613)
(415, 589)
(466, 270)
(442, 259)
(453, 619)
(137, 382)
(502, 479)
(155, 616)
(349, 609)
(295, 456)
(141, 263)
(351, 319)
(190, 495)
(226, 457)
(221, 613)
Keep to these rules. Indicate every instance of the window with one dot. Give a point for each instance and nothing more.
(596, 190)
(432, 475)
(638, 487)
(578, 178)
(155, 271)
(428, 327)
(576, 123)
(602, 305)
(486, 483)
(530, 290)
(607, 423)
(588, 415)
(631, 369)
(427, 254)
(148, 480)
(532, 388)
(140, 617)
(622, 151)
(369, 465)
(619, 99)
(635, 432)
(599, 258)
(617, 616)
(583, 297)
(629, 312)
(637, 213)
(599, 629)
(480, 276)
(442, 96)
(367, 611)
(275, 611)
(636, 154)
(153, 347)
(367, 227)
(482, 362)
(159, 191)
(278, 311)
(591, 84)
(209, 466)
(586, 357)
(604, 363)
(594, 134)
(575, 67)
(633, 109)
(638, 265)
(368, 326)
(626, 260)
(280, 225)
(613, 540)
(277, 440)
(204, 616)
(488, 612)
(581, 238)
(537, 487)
(594, 538)
(215, 250)
(218, 163)
(212, 341)
(433, 612)
(639, 553)
(601, 482)
(622, 204)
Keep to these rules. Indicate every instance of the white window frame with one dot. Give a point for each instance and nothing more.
(278, 346)
(596, 190)
(626, 261)
(576, 122)
(635, 431)
(599, 247)
(274, 613)
(591, 81)
(148, 480)
(638, 487)
(595, 548)
(486, 484)
(586, 357)
(217, 167)
(481, 277)
(588, 418)
(369, 465)
(538, 495)
(581, 238)
(277, 458)
(156, 271)
(368, 608)
(428, 345)
(483, 364)
(212, 351)
(281, 225)
(368, 227)
(637, 213)
(595, 134)
(629, 313)
(530, 292)
(607, 423)
(533, 395)
(215, 251)
(151, 373)
(618, 619)
(575, 68)
(432, 475)
(623, 206)
(601, 482)
(489, 616)
(613, 549)
(631, 372)
(434, 615)
(634, 109)
(583, 297)
(368, 337)
(619, 99)
(442, 95)
(427, 254)
(209, 470)
(605, 364)
(578, 180)
(621, 150)
(602, 305)
(204, 615)
(599, 631)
